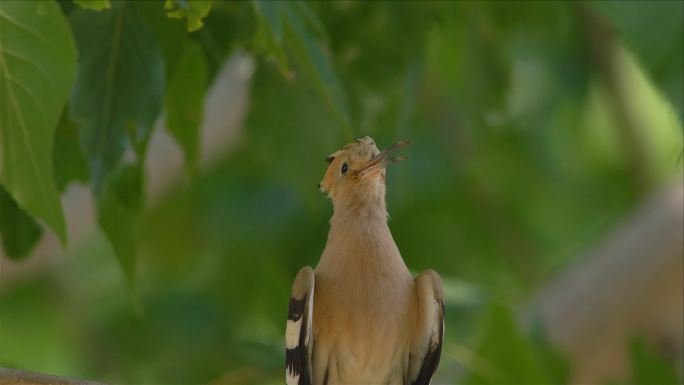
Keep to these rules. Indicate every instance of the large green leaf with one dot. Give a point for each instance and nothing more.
(291, 26)
(116, 99)
(18, 231)
(37, 66)
(185, 100)
(119, 87)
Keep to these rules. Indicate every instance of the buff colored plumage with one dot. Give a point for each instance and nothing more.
(360, 317)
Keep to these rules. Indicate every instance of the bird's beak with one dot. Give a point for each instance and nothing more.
(381, 160)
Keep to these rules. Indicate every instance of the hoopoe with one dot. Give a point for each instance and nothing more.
(360, 317)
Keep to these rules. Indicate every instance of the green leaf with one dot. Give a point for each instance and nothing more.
(185, 100)
(642, 26)
(649, 368)
(510, 357)
(269, 36)
(193, 10)
(70, 165)
(37, 66)
(167, 32)
(95, 5)
(118, 209)
(18, 231)
(119, 87)
(116, 99)
(292, 26)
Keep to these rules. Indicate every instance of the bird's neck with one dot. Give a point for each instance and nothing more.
(359, 237)
(361, 206)
(359, 224)
(360, 215)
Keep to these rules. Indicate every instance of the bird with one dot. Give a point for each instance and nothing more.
(360, 317)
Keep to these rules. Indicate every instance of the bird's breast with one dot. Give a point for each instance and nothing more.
(361, 332)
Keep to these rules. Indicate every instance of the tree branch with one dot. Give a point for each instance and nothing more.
(20, 377)
(630, 283)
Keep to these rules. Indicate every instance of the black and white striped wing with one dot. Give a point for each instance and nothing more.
(298, 334)
(427, 346)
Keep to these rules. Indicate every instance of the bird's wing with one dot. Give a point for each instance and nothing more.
(426, 346)
(298, 334)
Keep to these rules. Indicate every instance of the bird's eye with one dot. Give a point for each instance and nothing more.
(345, 168)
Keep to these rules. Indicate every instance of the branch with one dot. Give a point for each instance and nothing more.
(631, 283)
(20, 377)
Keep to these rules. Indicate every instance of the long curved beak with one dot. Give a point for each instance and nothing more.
(381, 160)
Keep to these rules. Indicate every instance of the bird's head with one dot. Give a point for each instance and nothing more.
(356, 173)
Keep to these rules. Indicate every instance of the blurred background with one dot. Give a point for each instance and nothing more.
(544, 185)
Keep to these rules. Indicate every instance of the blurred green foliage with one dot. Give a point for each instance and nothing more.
(530, 364)
(649, 367)
(517, 165)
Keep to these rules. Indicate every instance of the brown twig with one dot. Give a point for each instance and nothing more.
(21, 377)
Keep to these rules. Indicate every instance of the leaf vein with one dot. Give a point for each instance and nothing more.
(21, 57)
(111, 73)
(32, 156)
(27, 91)
(24, 27)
